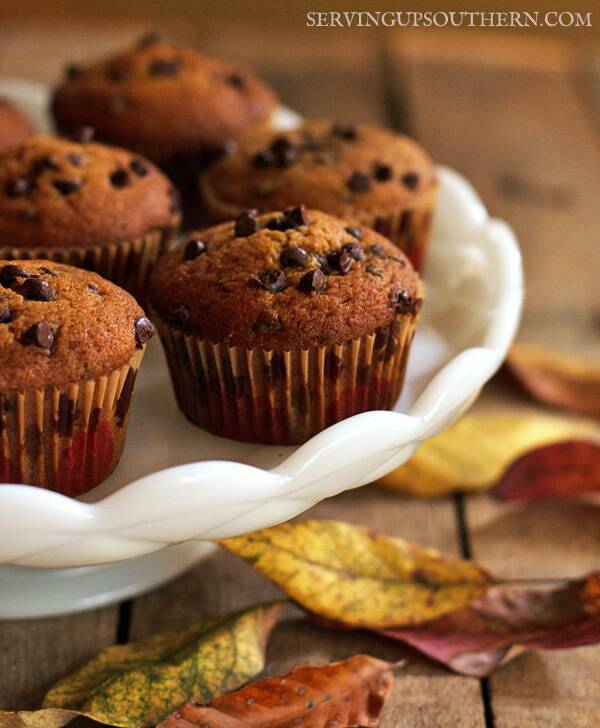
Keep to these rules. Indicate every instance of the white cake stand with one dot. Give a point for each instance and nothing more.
(178, 487)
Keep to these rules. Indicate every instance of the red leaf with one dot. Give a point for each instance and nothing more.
(343, 694)
(556, 379)
(559, 470)
(476, 639)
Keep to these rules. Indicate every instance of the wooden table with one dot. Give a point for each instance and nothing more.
(519, 116)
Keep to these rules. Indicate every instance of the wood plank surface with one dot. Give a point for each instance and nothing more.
(536, 161)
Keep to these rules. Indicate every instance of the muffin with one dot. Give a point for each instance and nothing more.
(278, 326)
(96, 207)
(363, 174)
(14, 125)
(71, 344)
(172, 104)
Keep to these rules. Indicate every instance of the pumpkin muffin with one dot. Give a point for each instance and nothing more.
(277, 326)
(178, 107)
(96, 207)
(71, 344)
(363, 174)
(14, 125)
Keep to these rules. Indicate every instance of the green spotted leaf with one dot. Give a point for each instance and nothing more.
(139, 684)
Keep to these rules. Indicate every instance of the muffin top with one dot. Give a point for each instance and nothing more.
(14, 125)
(162, 99)
(62, 193)
(299, 278)
(353, 171)
(60, 324)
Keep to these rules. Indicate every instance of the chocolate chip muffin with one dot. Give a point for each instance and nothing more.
(280, 325)
(97, 207)
(172, 104)
(70, 347)
(14, 125)
(363, 174)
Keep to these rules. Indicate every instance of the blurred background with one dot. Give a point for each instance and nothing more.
(517, 111)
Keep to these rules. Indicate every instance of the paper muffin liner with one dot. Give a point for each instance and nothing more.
(284, 397)
(70, 438)
(127, 263)
(407, 228)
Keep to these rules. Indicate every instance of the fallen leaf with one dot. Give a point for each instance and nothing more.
(476, 639)
(50, 718)
(472, 454)
(345, 694)
(557, 379)
(140, 683)
(363, 579)
(560, 470)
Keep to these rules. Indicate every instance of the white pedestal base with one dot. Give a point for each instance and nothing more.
(26, 592)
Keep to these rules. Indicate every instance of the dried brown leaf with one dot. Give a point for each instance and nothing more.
(556, 379)
(345, 694)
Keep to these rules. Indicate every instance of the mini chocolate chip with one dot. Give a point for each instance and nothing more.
(83, 135)
(356, 232)
(138, 167)
(181, 316)
(75, 159)
(10, 269)
(344, 131)
(377, 251)
(382, 172)
(117, 72)
(358, 183)
(73, 71)
(403, 302)
(66, 186)
(37, 289)
(5, 314)
(374, 270)
(297, 216)
(47, 271)
(267, 323)
(144, 331)
(410, 180)
(323, 264)
(313, 282)
(340, 261)
(17, 187)
(293, 217)
(263, 159)
(284, 151)
(193, 248)
(47, 162)
(40, 335)
(272, 280)
(246, 224)
(119, 178)
(148, 39)
(94, 289)
(354, 249)
(237, 81)
(164, 67)
(293, 257)
(10, 272)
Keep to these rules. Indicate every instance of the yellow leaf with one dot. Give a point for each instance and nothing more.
(351, 575)
(138, 684)
(472, 454)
